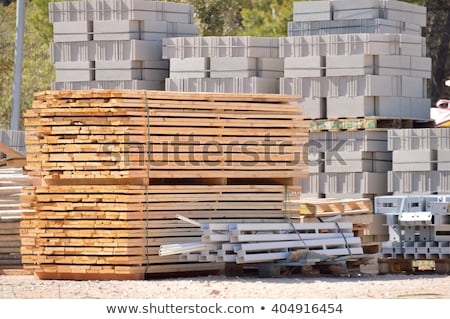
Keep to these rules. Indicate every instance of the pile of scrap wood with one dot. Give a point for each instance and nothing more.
(115, 168)
(12, 181)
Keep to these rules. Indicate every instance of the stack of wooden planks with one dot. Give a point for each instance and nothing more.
(12, 182)
(116, 168)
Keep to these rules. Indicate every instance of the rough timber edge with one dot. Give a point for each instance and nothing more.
(165, 95)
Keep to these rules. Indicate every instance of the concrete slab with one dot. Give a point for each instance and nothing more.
(233, 67)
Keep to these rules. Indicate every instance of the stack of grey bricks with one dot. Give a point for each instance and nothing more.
(231, 64)
(357, 58)
(419, 226)
(420, 161)
(347, 164)
(114, 44)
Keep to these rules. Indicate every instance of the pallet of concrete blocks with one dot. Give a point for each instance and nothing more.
(223, 64)
(420, 161)
(347, 164)
(419, 231)
(347, 10)
(115, 44)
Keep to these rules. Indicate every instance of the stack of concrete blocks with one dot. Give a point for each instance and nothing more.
(340, 60)
(420, 161)
(363, 16)
(419, 226)
(347, 164)
(114, 44)
(223, 64)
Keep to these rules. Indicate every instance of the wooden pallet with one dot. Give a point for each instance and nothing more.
(408, 266)
(326, 207)
(367, 123)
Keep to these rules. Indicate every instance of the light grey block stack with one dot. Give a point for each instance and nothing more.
(419, 226)
(357, 58)
(223, 64)
(115, 44)
(347, 164)
(420, 161)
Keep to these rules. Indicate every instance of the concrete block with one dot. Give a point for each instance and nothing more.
(421, 67)
(351, 183)
(443, 137)
(406, 12)
(296, 67)
(189, 68)
(223, 85)
(402, 107)
(414, 160)
(345, 65)
(74, 71)
(118, 70)
(313, 107)
(343, 162)
(117, 30)
(72, 31)
(233, 67)
(443, 157)
(354, 141)
(270, 68)
(413, 87)
(411, 45)
(395, 65)
(415, 139)
(424, 182)
(108, 85)
(350, 106)
(312, 11)
(362, 9)
(304, 87)
(443, 182)
(351, 26)
(127, 50)
(72, 51)
(312, 186)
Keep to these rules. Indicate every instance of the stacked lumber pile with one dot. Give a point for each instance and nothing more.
(12, 182)
(116, 168)
(370, 227)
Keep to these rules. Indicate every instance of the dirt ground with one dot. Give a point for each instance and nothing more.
(387, 286)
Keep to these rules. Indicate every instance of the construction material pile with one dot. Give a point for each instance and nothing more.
(419, 230)
(117, 167)
(363, 58)
(115, 44)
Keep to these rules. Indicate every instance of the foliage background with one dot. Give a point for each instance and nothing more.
(214, 17)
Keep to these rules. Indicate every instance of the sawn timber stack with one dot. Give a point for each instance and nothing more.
(117, 167)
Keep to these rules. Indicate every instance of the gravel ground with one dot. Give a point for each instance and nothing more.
(388, 286)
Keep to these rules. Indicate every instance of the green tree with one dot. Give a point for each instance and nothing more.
(267, 18)
(38, 71)
(218, 17)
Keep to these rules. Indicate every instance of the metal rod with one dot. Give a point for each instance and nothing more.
(18, 61)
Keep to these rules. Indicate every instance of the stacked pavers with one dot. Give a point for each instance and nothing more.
(114, 44)
(340, 59)
(223, 64)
